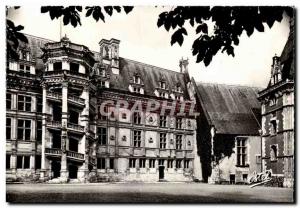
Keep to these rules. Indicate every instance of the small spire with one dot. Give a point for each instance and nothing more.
(65, 38)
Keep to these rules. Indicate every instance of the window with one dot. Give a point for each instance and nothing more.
(178, 142)
(186, 163)
(38, 161)
(273, 130)
(100, 163)
(124, 116)
(161, 162)
(162, 85)
(137, 80)
(170, 163)
(111, 163)
(39, 131)
(8, 128)
(24, 129)
(163, 121)
(39, 104)
(136, 118)
(24, 69)
(142, 163)
(8, 161)
(177, 97)
(57, 66)
(178, 123)
(152, 163)
(136, 90)
(8, 101)
(105, 113)
(241, 151)
(137, 138)
(74, 67)
(162, 94)
(162, 140)
(23, 162)
(178, 163)
(24, 103)
(132, 162)
(102, 136)
(273, 152)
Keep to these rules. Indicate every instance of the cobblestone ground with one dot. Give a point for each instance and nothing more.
(145, 193)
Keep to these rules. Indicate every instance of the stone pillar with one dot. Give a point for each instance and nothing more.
(13, 160)
(43, 157)
(64, 175)
(83, 145)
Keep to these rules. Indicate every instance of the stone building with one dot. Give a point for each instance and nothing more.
(55, 130)
(228, 138)
(278, 115)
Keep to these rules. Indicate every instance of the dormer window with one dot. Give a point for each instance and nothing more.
(177, 97)
(24, 55)
(136, 90)
(136, 79)
(178, 88)
(162, 94)
(162, 85)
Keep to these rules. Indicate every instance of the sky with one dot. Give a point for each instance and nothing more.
(143, 41)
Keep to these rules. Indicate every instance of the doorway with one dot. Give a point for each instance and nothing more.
(73, 171)
(55, 166)
(161, 170)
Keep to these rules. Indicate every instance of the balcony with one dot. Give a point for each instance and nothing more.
(53, 152)
(54, 96)
(75, 127)
(75, 155)
(76, 100)
(53, 124)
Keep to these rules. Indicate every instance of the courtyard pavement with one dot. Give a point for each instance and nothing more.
(163, 192)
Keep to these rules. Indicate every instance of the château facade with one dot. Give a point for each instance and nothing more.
(64, 121)
(278, 115)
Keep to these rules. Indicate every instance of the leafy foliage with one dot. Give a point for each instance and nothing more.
(229, 24)
(71, 14)
(14, 37)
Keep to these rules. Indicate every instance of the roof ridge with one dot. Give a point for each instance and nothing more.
(149, 65)
(229, 85)
(36, 37)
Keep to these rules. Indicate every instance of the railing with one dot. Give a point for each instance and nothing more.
(53, 151)
(55, 124)
(76, 99)
(75, 155)
(54, 95)
(75, 127)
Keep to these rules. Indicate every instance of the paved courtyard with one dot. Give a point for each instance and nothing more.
(145, 193)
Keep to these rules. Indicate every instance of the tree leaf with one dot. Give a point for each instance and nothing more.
(202, 28)
(108, 10)
(128, 9)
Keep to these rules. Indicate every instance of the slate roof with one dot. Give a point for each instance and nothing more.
(230, 109)
(150, 75)
(287, 57)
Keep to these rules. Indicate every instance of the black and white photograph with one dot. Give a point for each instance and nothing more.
(153, 104)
